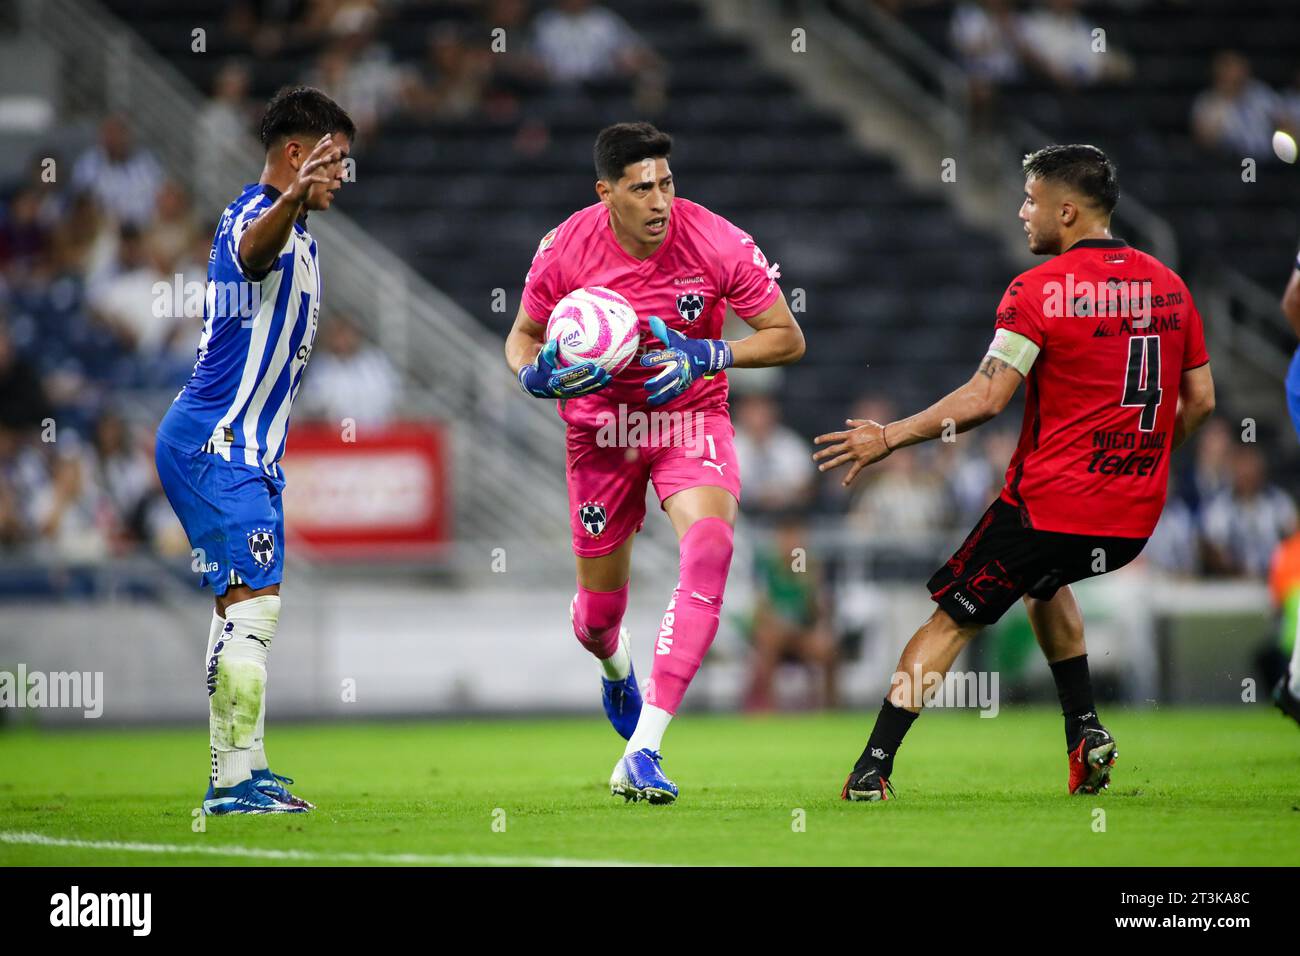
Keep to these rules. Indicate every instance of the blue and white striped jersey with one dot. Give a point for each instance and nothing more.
(257, 338)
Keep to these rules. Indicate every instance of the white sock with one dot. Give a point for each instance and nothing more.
(258, 751)
(214, 632)
(239, 684)
(649, 733)
(619, 664)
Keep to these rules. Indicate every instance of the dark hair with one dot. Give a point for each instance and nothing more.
(625, 143)
(1085, 168)
(299, 110)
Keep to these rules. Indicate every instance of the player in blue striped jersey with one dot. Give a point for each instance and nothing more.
(219, 445)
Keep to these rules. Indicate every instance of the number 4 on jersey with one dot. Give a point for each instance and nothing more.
(1142, 381)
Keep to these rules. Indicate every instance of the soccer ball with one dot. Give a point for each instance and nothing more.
(594, 324)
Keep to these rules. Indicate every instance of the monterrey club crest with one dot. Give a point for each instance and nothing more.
(262, 544)
(592, 516)
(690, 305)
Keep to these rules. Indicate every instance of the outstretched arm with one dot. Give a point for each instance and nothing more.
(983, 397)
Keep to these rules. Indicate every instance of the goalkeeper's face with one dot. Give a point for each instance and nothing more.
(640, 203)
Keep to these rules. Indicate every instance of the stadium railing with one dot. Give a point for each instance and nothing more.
(507, 452)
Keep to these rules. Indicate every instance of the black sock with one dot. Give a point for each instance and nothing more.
(1074, 687)
(886, 737)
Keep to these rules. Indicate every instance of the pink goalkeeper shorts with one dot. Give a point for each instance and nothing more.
(609, 465)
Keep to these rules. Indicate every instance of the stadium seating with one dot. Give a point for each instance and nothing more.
(1145, 124)
(879, 264)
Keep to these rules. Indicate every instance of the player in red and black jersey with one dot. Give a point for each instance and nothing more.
(1112, 351)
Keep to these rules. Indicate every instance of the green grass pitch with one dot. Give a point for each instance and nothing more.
(1192, 787)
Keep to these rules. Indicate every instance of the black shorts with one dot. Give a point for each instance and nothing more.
(1004, 559)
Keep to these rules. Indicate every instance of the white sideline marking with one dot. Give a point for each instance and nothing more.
(307, 856)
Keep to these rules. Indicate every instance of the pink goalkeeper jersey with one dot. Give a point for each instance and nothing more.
(703, 264)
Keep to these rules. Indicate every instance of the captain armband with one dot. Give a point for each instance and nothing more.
(1014, 349)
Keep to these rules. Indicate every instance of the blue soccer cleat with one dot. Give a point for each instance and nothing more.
(622, 699)
(275, 786)
(638, 777)
(245, 798)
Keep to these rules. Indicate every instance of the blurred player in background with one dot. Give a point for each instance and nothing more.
(1113, 353)
(679, 266)
(220, 443)
(1287, 692)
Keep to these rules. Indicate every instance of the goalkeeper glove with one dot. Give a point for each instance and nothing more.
(545, 380)
(683, 359)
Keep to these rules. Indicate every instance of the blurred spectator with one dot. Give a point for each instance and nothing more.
(453, 80)
(123, 482)
(1237, 112)
(126, 301)
(85, 241)
(976, 466)
(172, 232)
(1174, 545)
(41, 496)
(1059, 43)
(350, 379)
(582, 42)
(24, 235)
(274, 26)
(358, 72)
(227, 118)
(984, 36)
(908, 496)
(1244, 524)
(123, 179)
(41, 175)
(791, 620)
(1290, 106)
(776, 463)
(520, 65)
(22, 471)
(1210, 471)
(23, 403)
(832, 495)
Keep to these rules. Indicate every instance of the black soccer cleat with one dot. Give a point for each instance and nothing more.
(1091, 760)
(866, 785)
(1284, 700)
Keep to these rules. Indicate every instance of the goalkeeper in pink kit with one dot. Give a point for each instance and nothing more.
(679, 266)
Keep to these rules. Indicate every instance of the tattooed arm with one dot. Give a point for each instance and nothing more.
(866, 442)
